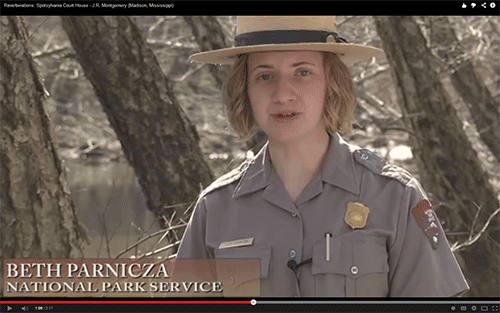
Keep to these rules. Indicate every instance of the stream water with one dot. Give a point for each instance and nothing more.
(110, 203)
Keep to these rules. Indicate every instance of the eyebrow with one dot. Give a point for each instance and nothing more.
(302, 63)
(293, 65)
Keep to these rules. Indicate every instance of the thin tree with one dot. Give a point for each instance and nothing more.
(37, 216)
(448, 165)
(209, 35)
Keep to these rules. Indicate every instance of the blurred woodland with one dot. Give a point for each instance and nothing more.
(134, 131)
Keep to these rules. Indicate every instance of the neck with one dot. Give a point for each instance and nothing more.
(296, 162)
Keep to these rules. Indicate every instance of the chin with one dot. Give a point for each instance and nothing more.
(286, 135)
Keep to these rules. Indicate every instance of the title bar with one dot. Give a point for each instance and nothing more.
(459, 8)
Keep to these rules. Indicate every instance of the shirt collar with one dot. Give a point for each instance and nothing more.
(337, 169)
(257, 174)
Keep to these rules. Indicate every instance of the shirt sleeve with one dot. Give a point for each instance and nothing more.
(421, 262)
(194, 262)
(193, 245)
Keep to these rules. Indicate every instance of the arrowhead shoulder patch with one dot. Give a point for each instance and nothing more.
(427, 221)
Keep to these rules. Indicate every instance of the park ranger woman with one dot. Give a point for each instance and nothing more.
(324, 218)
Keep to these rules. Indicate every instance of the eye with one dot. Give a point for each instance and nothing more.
(303, 72)
(264, 77)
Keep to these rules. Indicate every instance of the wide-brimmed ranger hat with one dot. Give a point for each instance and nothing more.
(288, 33)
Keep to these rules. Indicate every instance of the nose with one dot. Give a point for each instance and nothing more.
(283, 90)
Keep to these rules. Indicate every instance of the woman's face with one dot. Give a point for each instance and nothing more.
(287, 93)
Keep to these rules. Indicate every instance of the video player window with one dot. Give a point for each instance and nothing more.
(155, 157)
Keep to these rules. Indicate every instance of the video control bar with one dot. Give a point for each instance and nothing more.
(251, 305)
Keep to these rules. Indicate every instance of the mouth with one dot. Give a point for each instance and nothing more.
(285, 116)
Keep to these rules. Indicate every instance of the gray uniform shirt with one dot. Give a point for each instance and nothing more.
(396, 253)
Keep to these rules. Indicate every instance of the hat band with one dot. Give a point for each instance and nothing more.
(285, 36)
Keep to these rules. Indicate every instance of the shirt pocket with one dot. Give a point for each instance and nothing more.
(358, 267)
(243, 277)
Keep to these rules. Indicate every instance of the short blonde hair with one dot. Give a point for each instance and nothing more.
(339, 101)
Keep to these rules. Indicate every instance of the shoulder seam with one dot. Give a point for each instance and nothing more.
(381, 166)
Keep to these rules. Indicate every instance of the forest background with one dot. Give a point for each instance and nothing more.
(115, 210)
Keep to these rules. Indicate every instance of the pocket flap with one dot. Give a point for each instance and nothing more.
(255, 260)
(352, 256)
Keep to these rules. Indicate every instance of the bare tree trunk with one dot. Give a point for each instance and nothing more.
(209, 35)
(37, 217)
(157, 137)
(478, 98)
(449, 166)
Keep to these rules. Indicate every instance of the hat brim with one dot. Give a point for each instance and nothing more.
(348, 53)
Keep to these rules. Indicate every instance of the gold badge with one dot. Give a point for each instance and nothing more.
(356, 215)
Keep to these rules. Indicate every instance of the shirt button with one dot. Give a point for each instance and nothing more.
(293, 254)
(354, 270)
(365, 156)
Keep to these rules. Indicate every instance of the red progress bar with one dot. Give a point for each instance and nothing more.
(125, 302)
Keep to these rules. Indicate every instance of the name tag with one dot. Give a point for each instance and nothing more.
(236, 243)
